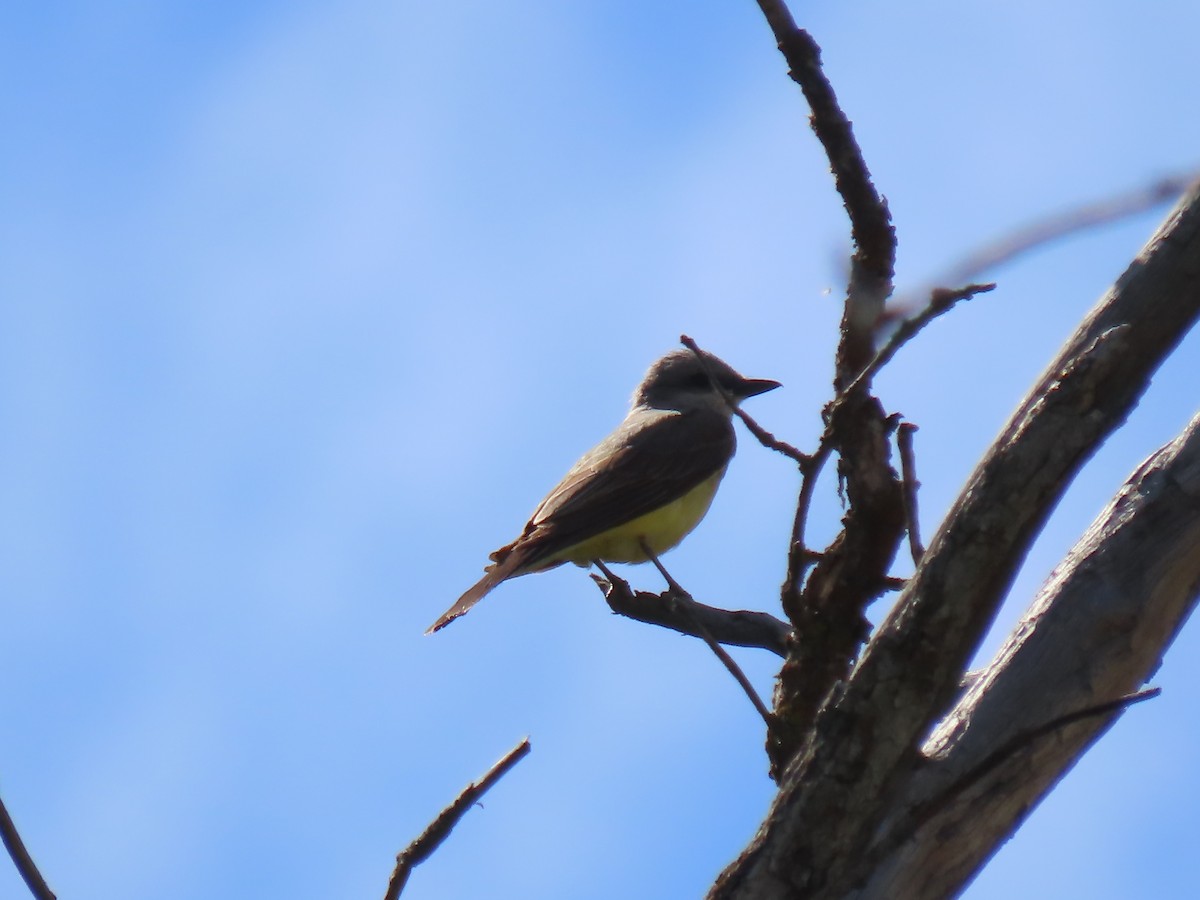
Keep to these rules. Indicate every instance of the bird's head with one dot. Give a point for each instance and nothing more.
(683, 380)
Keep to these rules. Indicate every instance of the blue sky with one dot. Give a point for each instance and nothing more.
(304, 306)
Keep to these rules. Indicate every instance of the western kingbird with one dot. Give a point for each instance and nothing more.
(647, 484)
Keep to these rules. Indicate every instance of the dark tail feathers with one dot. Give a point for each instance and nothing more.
(501, 571)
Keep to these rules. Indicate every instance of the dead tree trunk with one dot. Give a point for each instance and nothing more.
(870, 805)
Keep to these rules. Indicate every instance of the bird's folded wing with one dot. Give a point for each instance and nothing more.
(653, 458)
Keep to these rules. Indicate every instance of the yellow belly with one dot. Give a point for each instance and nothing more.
(662, 529)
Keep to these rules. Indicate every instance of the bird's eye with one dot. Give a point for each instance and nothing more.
(699, 381)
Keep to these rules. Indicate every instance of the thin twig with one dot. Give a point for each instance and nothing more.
(21, 858)
(765, 437)
(941, 300)
(439, 829)
(677, 591)
(736, 671)
(1005, 249)
(1068, 222)
(925, 812)
(908, 470)
(1027, 736)
(799, 556)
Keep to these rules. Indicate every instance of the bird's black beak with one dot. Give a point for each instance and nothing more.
(752, 387)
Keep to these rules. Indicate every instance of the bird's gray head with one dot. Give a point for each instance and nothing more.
(681, 381)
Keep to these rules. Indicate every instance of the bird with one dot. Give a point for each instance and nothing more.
(643, 488)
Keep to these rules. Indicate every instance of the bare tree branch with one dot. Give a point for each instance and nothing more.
(736, 628)
(1043, 231)
(1071, 221)
(1022, 741)
(800, 557)
(439, 829)
(20, 856)
(863, 746)
(871, 229)
(941, 300)
(827, 609)
(1100, 626)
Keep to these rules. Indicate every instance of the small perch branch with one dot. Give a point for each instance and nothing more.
(439, 829)
(737, 628)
